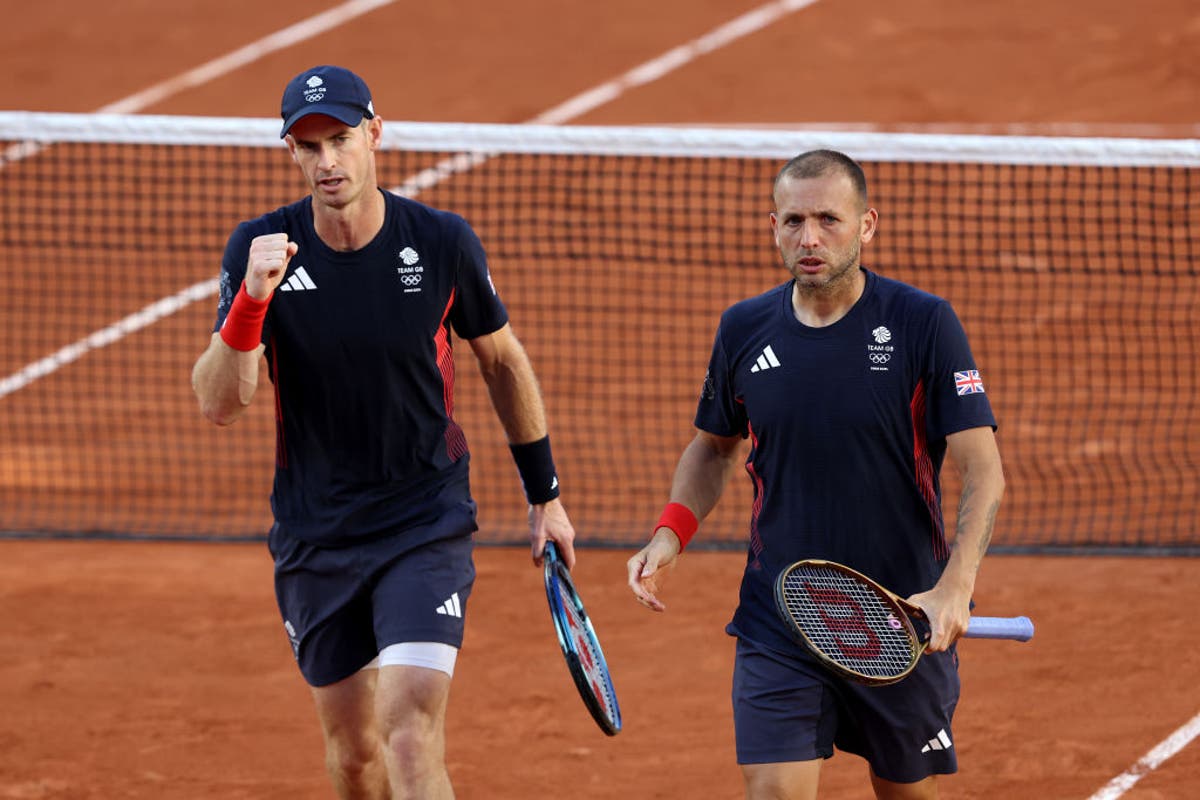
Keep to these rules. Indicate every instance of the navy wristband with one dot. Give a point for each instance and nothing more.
(535, 464)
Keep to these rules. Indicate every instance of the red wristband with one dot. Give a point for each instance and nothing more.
(682, 522)
(242, 328)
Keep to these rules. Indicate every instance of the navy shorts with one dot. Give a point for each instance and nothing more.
(789, 708)
(342, 605)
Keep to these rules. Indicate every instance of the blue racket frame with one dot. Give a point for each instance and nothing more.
(579, 644)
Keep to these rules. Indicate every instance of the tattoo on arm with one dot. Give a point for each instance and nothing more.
(965, 512)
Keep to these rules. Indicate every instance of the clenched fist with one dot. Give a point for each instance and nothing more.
(269, 257)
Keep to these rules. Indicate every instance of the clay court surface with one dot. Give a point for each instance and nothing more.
(160, 670)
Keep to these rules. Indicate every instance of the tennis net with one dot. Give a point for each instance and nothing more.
(1072, 263)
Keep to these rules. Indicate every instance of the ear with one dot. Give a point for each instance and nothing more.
(375, 132)
(870, 222)
(291, 146)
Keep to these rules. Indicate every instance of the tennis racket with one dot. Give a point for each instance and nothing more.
(859, 629)
(579, 644)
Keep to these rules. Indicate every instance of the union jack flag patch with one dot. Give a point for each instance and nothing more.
(968, 382)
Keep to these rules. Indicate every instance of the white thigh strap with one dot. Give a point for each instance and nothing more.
(431, 655)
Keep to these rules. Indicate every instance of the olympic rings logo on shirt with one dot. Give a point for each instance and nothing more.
(879, 358)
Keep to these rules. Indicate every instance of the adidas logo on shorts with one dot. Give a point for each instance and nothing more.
(939, 742)
(451, 607)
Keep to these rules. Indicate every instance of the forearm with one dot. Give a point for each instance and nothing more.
(517, 399)
(979, 504)
(948, 604)
(701, 475)
(225, 376)
(225, 380)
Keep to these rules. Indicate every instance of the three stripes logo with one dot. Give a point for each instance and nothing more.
(939, 742)
(451, 608)
(766, 360)
(298, 282)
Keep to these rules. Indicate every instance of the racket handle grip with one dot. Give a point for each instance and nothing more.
(1018, 628)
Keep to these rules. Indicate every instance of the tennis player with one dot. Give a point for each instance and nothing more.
(851, 388)
(352, 294)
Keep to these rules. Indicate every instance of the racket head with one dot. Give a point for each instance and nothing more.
(850, 623)
(579, 644)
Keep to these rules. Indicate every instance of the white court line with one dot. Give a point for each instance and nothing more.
(1150, 762)
(654, 69)
(748, 23)
(106, 336)
(293, 34)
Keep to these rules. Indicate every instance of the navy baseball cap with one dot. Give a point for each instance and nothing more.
(334, 91)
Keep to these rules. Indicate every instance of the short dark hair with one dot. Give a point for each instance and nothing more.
(816, 163)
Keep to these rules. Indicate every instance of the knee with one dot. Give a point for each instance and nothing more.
(764, 787)
(411, 709)
(414, 735)
(352, 758)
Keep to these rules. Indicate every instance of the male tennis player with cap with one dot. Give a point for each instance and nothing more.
(352, 294)
(852, 388)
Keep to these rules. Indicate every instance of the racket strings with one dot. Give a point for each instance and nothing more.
(591, 658)
(849, 623)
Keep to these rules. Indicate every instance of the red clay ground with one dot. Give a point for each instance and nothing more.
(159, 670)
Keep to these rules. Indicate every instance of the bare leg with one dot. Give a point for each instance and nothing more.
(411, 707)
(354, 755)
(791, 780)
(921, 790)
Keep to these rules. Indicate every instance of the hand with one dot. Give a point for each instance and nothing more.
(549, 522)
(651, 565)
(268, 261)
(948, 612)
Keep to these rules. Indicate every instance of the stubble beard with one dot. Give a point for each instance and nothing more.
(346, 196)
(839, 276)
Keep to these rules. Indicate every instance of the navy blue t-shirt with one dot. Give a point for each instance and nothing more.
(848, 427)
(358, 346)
